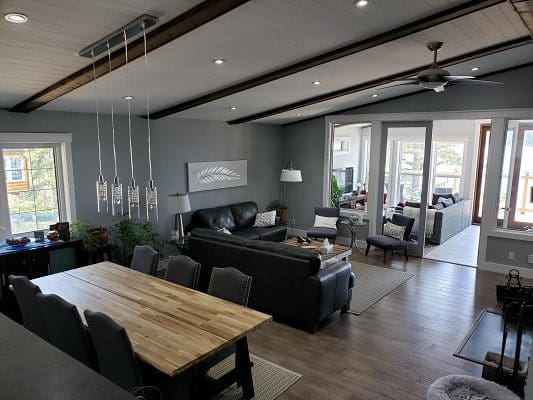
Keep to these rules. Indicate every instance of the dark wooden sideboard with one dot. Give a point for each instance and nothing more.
(37, 259)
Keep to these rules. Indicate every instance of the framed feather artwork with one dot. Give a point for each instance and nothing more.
(217, 175)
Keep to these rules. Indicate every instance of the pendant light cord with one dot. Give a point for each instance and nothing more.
(97, 117)
(147, 104)
(129, 105)
(112, 110)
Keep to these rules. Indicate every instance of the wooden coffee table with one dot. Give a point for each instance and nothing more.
(339, 252)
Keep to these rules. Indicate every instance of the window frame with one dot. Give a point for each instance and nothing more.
(61, 143)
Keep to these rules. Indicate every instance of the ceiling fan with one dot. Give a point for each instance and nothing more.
(436, 78)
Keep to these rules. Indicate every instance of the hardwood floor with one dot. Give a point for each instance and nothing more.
(395, 349)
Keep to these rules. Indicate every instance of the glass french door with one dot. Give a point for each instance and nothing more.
(406, 160)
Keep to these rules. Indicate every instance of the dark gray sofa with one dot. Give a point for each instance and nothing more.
(239, 220)
(287, 281)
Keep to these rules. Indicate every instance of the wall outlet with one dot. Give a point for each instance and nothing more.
(530, 259)
(511, 255)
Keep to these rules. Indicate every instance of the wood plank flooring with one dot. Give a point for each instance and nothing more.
(395, 349)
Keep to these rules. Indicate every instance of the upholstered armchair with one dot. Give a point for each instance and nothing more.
(324, 233)
(389, 243)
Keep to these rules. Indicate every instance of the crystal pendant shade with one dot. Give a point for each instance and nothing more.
(117, 207)
(134, 206)
(101, 194)
(152, 212)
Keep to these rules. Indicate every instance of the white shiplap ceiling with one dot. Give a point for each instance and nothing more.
(255, 38)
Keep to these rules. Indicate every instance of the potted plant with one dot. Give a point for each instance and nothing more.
(92, 237)
(336, 192)
(281, 210)
(127, 234)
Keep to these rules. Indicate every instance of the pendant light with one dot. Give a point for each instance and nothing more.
(133, 189)
(151, 189)
(101, 184)
(117, 205)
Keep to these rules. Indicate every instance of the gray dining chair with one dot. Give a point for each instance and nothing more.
(66, 329)
(32, 317)
(183, 270)
(114, 351)
(145, 259)
(230, 284)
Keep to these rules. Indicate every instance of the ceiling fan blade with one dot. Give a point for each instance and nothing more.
(456, 77)
(474, 82)
(408, 82)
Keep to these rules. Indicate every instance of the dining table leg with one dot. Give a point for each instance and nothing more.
(244, 369)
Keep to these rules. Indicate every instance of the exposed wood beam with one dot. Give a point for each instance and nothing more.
(197, 16)
(402, 96)
(347, 50)
(524, 8)
(387, 79)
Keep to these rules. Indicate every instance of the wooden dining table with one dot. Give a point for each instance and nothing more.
(171, 327)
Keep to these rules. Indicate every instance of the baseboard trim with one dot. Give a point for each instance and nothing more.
(504, 269)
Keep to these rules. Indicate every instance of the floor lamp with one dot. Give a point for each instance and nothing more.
(179, 204)
(288, 174)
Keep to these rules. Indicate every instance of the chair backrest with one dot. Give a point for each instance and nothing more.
(402, 220)
(32, 317)
(116, 357)
(66, 329)
(183, 270)
(328, 211)
(145, 259)
(230, 284)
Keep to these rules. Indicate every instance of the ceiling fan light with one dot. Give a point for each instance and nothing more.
(361, 3)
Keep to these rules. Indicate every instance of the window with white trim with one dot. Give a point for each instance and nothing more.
(35, 191)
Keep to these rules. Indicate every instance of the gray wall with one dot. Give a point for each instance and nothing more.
(303, 144)
(498, 251)
(174, 142)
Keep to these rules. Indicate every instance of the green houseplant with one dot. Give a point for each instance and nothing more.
(280, 208)
(127, 233)
(336, 192)
(92, 237)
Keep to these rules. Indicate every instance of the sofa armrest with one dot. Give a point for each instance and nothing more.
(326, 292)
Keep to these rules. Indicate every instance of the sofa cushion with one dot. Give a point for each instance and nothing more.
(272, 233)
(250, 233)
(435, 198)
(457, 197)
(413, 204)
(213, 218)
(223, 237)
(386, 242)
(289, 251)
(438, 206)
(446, 202)
(243, 214)
(328, 233)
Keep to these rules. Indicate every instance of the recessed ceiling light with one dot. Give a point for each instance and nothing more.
(233, 108)
(316, 83)
(298, 114)
(128, 97)
(219, 61)
(16, 18)
(374, 95)
(361, 3)
(474, 69)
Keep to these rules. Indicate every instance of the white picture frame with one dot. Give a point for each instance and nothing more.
(211, 175)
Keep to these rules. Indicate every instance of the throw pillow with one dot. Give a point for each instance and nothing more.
(438, 206)
(325, 222)
(395, 231)
(224, 230)
(446, 202)
(457, 197)
(265, 219)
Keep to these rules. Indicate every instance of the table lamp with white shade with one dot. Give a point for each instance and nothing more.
(178, 203)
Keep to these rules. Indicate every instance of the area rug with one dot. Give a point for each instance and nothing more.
(372, 284)
(270, 380)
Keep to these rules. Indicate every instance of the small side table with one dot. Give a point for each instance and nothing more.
(354, 225)
(183, 245)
